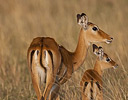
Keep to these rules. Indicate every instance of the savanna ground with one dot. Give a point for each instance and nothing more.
(22, 20)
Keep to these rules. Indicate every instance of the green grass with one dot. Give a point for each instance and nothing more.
(22, 20)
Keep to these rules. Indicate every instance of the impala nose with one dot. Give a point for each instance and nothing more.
(111, 38)
(109, 41)
(116, 66)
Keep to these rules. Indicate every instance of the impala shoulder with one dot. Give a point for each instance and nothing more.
(91, 74)
(96, 77)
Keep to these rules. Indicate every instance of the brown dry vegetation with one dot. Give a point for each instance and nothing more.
(22, 20)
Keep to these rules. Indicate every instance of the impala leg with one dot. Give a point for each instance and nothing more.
(58, 97)
(35, 82)
(67, 76)
(49, 83)
(54, 92)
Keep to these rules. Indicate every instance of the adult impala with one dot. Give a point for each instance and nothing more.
(91, 83)
(48, 62)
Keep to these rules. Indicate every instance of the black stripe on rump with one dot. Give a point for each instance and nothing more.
(42, 63)
(41, 60)
(32, 53)
(98, 85)
(85, 85)
(51, 55)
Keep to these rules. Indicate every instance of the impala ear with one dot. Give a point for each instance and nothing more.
(82, 20)
(98, 51)
(95, 49)
(101, 53)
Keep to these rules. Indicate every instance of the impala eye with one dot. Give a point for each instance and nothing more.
(108, 59)
(95, 28)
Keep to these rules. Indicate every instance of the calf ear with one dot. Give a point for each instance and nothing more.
(78, 18)
(95, 49)
(101, 53)
(82, 20)
(98, 51)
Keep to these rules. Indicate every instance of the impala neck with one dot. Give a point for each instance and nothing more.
(97, 67)
(80, 53)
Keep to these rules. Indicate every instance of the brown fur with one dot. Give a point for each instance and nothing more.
(65, 62)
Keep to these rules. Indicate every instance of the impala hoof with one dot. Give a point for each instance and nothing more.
(42, 98)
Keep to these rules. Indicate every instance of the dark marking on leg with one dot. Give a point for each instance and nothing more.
(32, 53)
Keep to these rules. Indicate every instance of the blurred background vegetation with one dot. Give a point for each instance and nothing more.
(22, 20)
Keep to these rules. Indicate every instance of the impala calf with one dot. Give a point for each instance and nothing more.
(91, 83)
(53, 64)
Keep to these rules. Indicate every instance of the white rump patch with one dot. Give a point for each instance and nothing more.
(46, 58)
(36, 56)
(38, 68)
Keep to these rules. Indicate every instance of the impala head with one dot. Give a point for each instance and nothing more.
(104, 60)
(92, 31)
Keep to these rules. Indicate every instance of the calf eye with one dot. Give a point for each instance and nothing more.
(95, 28)
(108, 59)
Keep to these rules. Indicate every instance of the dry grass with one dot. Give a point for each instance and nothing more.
(22, 20)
